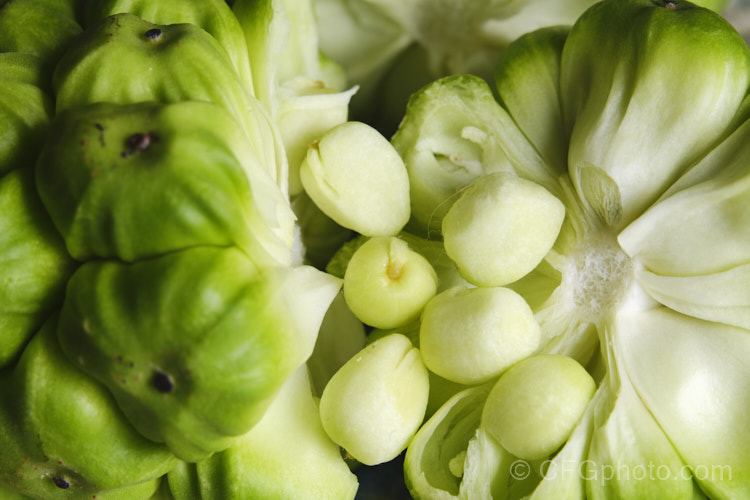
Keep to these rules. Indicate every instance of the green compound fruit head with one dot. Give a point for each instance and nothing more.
(134, 181)
(63, 436)
(194, 344)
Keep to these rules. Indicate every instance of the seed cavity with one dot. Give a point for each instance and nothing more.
(153, 34)
(61, 483)
(163, 382)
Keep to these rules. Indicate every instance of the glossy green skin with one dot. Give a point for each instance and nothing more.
(203, 317)
(33, 263)
(25, 109)
(286, 455)
(42, 28)
(176, 318)
(56, 422)
(214, 16)
(114, 61)
(189, 184)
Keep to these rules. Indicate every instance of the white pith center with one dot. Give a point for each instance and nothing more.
(597, 277)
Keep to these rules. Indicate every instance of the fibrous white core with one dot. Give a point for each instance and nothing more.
(597, 277)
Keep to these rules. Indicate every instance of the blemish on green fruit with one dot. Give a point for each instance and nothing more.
(672, 4)
(153, 35)
(61, 483)
(139, 142)
(163, 382)
(100, 128)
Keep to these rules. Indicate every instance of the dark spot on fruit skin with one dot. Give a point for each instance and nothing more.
(137, 143)
(669, 4)
(163, 382)
(61, 483)
(100, 128)
(153, 34)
